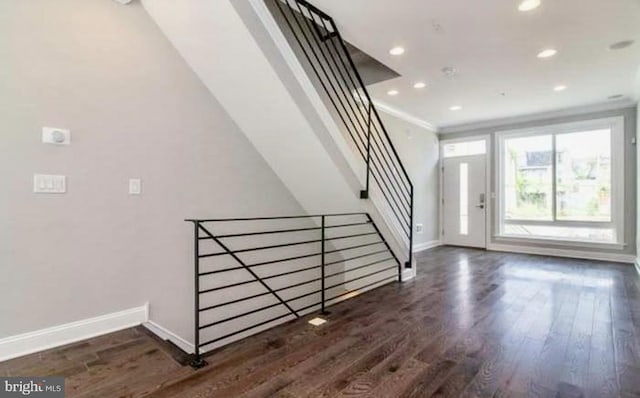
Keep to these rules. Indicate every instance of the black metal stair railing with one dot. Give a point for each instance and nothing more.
(319, 42)
(251, 273)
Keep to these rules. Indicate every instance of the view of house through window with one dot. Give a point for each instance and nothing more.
(559, 185)
(583, 179)
(528, 192)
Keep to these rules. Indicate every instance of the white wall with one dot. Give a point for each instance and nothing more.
(638, 175)
(419, 150)
(637, 98)
(272, 107)
(135, 109)
(249, 88)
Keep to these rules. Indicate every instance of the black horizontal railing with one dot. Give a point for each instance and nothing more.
(253, 272)
(321, 45)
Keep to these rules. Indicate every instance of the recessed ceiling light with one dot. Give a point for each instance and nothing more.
(560, 88)
(528, 5)
(392, 92)
(550, 52)
(396, 51)
(621, 44)
(419, 85)
(455, 108)
(317, 321)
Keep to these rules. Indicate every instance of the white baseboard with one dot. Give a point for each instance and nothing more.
(426, 246)
(166, 334)
(39, 340)
(616, 257)
(409, 273)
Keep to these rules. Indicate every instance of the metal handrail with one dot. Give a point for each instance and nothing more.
(204, 234)
(321, 43)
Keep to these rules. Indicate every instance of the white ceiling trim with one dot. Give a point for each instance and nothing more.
(390, 110)
(539, 116)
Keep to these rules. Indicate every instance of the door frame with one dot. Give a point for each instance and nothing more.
(490, 196)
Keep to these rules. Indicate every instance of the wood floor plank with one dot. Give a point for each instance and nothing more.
(365, 382)
(427, 382)
(603, 380)
(575, 371)
(315, 378)
(629, 380)
(626, 344)
(471, 324)
(458, 380)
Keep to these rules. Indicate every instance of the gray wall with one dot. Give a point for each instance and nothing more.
(419, 150)
(629, 114)
(135, 109)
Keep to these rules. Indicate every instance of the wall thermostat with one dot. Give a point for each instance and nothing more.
(56, 136)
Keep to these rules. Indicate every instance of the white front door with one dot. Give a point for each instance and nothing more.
(464, 201)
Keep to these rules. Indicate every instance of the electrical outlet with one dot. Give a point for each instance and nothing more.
(419, 228)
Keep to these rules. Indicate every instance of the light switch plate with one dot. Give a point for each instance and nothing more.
(135, 186)
(56, 136)
(45, 183)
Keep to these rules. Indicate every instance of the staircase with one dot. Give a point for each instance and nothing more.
(311, 118)
(321, 46)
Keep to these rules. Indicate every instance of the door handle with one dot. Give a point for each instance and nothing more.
(481, 204)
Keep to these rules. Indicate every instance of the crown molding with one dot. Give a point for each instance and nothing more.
(568, 112)
(390, 110)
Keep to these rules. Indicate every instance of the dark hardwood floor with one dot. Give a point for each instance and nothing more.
(473, 324)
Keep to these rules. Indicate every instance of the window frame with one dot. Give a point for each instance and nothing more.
(483, 139)
(616, 125)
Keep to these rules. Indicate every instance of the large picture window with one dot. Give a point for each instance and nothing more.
(563, 182)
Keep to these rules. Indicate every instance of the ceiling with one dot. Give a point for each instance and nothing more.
(494, 48)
